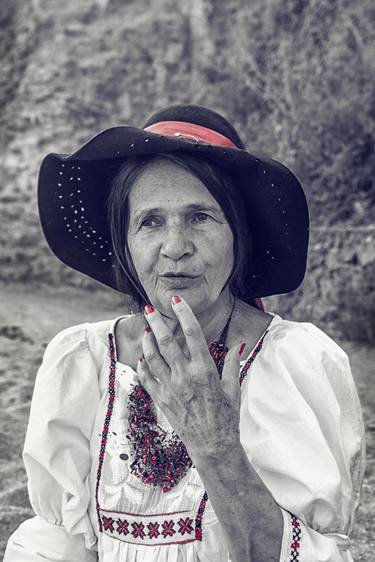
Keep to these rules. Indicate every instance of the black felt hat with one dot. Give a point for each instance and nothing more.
(73, 191)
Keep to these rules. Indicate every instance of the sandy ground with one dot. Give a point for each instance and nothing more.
(28, 320)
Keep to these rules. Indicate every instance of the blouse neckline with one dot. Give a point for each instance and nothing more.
(275, 320)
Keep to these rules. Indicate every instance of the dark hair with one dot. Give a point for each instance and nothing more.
(221, 187)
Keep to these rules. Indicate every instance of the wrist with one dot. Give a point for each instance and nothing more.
(227, 453)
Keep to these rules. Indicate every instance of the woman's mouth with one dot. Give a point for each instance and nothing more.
(179, 281)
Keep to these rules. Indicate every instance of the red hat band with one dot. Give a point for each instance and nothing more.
(190, 131)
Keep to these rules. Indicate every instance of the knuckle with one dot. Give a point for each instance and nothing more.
(165, 339)
(192, 331)
(150, 355)
(188, 396)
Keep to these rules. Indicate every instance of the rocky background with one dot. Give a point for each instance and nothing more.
(296, 78)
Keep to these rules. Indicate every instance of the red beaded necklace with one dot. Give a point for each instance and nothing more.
(158, 458)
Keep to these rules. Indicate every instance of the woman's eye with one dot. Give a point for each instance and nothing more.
(150, 222)
(200, 217)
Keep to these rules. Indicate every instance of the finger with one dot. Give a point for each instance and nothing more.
(165, 339)
(194, 336)
(230, 377)
(147, 380)
(154, 361)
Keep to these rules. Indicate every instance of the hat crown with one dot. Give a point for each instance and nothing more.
(198, 115)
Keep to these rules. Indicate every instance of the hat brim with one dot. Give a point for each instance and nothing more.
(73, 190)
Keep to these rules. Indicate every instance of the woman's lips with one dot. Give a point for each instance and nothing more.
(179, 281)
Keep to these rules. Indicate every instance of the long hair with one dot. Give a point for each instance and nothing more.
(222, 188)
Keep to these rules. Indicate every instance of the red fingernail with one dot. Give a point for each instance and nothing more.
(148, 330)
(242, 348)
(149, 309)
(176, 299)
(140, 359)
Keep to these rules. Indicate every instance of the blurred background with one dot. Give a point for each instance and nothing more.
(295, 77)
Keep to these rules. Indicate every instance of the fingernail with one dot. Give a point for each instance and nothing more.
(242, 348)
(176, 299)
(140, 359)
(149, 309)
(148, 330)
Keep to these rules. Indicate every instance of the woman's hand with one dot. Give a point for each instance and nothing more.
(203, 411)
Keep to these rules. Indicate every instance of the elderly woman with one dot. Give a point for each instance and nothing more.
(200, 428)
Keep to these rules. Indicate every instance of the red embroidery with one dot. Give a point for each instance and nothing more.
(103, 443)
(138, 530)
(154, 530)
(168, 529)
(122, 527)
(295, 544)
(248, 363)
(185, 525)
(199, 517)
(108, 523)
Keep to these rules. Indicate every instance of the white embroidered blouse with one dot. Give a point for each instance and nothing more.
(300, 425)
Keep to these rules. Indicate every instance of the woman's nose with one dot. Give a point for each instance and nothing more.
(176, 243)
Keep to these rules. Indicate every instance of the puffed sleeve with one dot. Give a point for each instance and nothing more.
(56, 455)
(302, 428)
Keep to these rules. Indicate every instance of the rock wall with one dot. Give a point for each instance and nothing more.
(295, 77)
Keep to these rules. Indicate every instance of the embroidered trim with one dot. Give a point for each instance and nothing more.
(199, 517)
(248, 363)
(149, 530)
(103, 443)
(296, 539)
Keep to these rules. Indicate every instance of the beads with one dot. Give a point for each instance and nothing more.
(157, 460)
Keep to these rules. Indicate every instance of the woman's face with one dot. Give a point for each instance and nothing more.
(177, 227)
